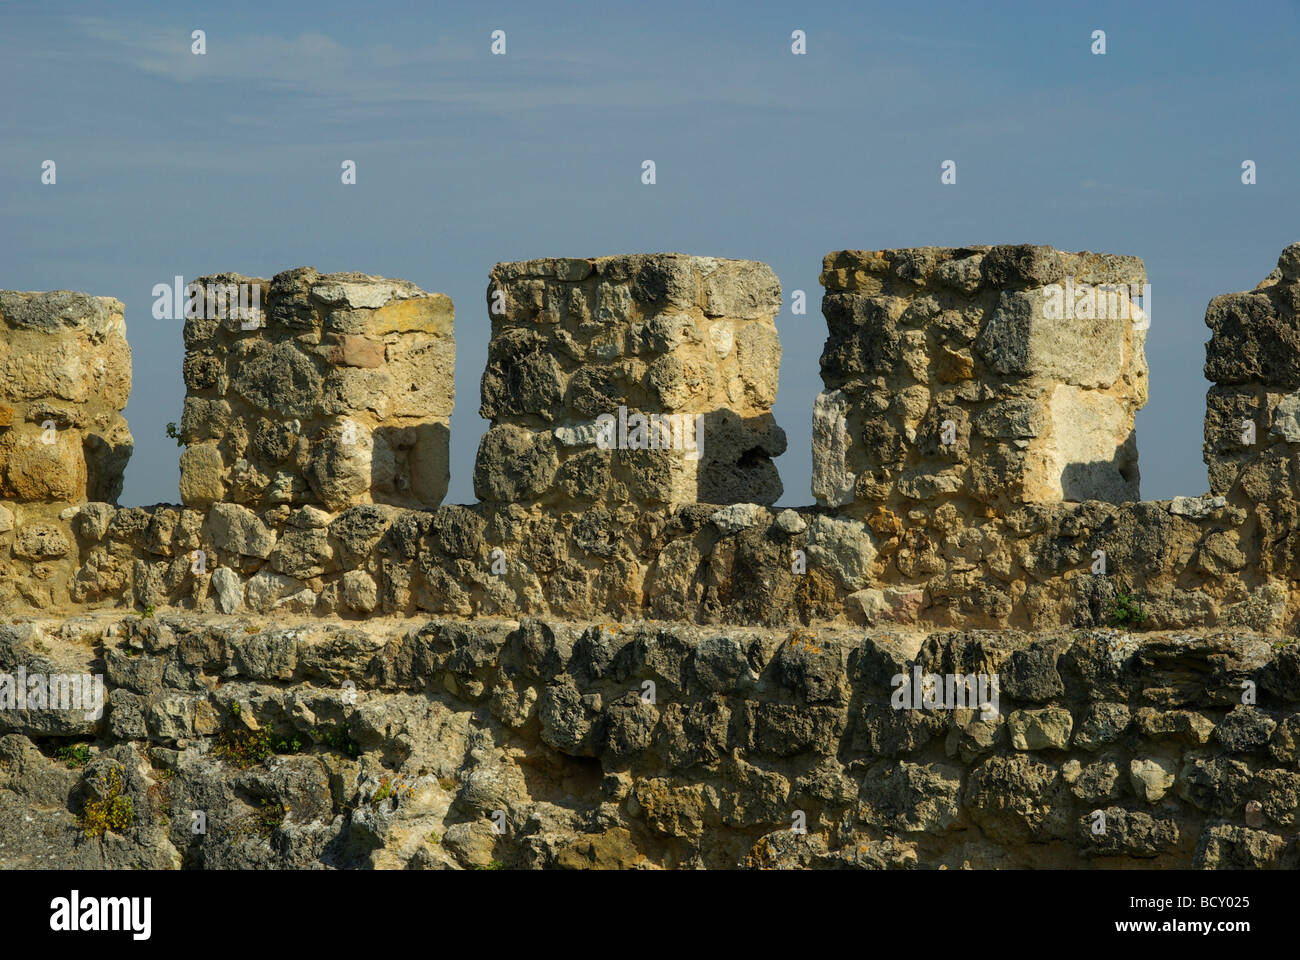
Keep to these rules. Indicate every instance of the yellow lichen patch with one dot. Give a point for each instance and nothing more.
(112, 811)
(388, 787)
(432, 314)
(803, 640)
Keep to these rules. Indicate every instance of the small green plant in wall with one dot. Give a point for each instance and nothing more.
(243, 748)
(74, 755)
(270, 818)
(287, 744)
(337, 738)
(1126, 611)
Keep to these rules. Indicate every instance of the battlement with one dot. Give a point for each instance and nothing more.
(337, 392)
(982, 376)
(65, 375)
(974, 453)
(633, 379)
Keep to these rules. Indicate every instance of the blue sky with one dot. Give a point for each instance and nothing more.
(170, 163)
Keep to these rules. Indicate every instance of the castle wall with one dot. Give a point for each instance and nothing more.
(407, 745)
(630, 656)
(282, 516)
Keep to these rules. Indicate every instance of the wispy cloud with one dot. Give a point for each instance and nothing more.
(331, 74)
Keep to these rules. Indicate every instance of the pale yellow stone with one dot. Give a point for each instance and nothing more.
(433, 314)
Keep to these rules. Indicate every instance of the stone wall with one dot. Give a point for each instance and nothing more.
(649, 745)
(979, 532)
(636, 661)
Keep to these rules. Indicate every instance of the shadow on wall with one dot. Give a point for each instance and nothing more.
(736, 464)
(655, 459)
(105, 466)
(409, 466)
(1113, 481)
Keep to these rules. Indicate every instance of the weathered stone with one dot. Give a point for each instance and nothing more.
(1102, 724)
(1151, 777)
(846, 548)
(1196, 508)
(202, 475)
(228, 589)
(789, 521)
(738, 516)
(238, 530)
(681, 363)
(1228, 847)
(1128, 833)
(40, 541)
(1060, 424)
(359, 592)
(1186, 725)
(65, 376)
(910, 797)
(1046, 729)
(267, 590)
(833, 482)
(1020, 338)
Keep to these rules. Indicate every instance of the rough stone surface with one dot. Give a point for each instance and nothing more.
(318, 743)
(1252, 417)
(65, 376)
(565, 530)
(1143, 651)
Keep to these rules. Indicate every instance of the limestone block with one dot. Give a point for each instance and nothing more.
(330, 390)
(832, 482)
(239, 530)
(1093, 451)
(65, 377)
(651, 378)
(1020, 338)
